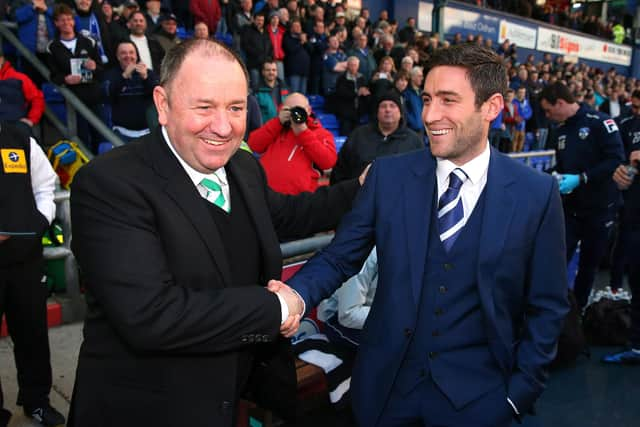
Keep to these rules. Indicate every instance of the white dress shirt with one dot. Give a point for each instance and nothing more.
(219, 176)
(43, 181)
(476, 171)
(143, 50)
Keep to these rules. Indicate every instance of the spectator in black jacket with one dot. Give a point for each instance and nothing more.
(149, 49)
(297, 59)
(351, 98)
(130, 85)
(257, 47)
(75, 62)
(319, 42)
(386, 135)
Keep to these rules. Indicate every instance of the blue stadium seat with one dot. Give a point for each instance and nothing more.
(317, 103)
(183, 33)
(329, 121)
(339, 140)
(55, 101)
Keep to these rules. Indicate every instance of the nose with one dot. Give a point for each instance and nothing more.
(431, 113)
(220, 125)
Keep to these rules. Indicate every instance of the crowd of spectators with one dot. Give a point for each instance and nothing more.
(316, 49)
(564, 14)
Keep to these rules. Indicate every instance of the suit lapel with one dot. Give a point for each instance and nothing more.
(181, 189)
(418, 198)
(499, 209)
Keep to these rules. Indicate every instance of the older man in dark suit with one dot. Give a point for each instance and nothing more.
(177, 234)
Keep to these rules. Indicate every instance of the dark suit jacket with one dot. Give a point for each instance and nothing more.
(521, 273)
(166, 328)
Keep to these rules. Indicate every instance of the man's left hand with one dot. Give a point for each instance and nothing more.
(90, 64)
(568, 183)
(4, 237)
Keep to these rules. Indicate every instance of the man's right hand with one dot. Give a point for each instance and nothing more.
(294, 304)
(4, 237)
(128, 71)
(284, 115)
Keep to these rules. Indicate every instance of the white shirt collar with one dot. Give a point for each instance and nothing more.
(220, 175)
(475, 169)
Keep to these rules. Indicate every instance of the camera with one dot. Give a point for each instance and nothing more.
(298, 115)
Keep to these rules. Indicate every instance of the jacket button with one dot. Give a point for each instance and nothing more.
(433, 355)
(448, 266)
(408, 332)
(442, 289)
(439, 311)
(435, 333)
(422, 373)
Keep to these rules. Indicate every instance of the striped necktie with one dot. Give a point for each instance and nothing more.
(214, 194)
(450, 210)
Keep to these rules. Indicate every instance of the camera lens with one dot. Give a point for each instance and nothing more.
(298, 115)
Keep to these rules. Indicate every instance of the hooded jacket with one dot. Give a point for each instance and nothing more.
(293, 162)
(19, 95)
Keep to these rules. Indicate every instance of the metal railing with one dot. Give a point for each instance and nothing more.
(73, 105)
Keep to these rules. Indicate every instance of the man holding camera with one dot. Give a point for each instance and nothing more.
(294, 147)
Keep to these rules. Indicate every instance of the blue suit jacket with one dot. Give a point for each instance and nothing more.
(521, 271)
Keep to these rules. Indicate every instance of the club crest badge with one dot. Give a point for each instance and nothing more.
(583, 133)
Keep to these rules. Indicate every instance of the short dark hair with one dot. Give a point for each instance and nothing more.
(555, 91)
(485, 69)
(176, 56)
(62, 9)
(126, 41)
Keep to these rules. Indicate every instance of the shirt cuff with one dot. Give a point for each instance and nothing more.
(283, 308)
(516, 413)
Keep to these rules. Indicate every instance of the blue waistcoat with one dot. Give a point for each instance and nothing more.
(449, 342)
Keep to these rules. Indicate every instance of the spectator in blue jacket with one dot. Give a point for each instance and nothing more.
(525, 112)
(413, 101)
(35, 30)
(362, 51)
(130, 85)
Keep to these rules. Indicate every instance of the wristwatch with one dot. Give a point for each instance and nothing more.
(583, 178)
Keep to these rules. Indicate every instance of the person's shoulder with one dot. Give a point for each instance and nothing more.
(530, 177)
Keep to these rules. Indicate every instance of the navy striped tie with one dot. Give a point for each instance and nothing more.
(450, 210)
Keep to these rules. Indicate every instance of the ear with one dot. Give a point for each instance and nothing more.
(161, 100)
(493, 106)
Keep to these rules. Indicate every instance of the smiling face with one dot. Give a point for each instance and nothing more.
(456, 127)
(204, 113)
(65, 25)
(126, 54)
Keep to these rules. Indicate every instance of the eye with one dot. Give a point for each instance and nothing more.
(426, 101)
(237, 108)
(448, 100)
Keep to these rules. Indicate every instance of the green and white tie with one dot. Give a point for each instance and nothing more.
(214, 194)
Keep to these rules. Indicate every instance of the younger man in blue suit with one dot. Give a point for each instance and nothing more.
(472, 280)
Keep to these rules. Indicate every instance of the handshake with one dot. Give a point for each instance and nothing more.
(295, 304)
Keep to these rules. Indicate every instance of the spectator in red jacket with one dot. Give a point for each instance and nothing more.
(207, 11)
(22, 101)
(293, 155)
(276, 34)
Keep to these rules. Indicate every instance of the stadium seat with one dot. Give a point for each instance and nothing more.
(317, 103)
(55, 101)
(329, 121)
(340, 140)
